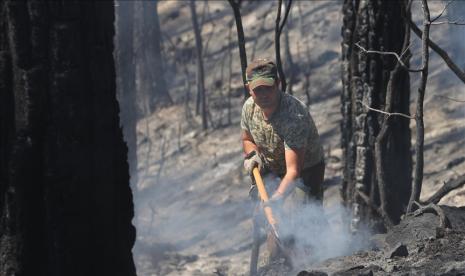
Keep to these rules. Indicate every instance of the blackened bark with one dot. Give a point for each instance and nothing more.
(66, 206)
(348, 28)
(277, 41)
(126, 80)
(241, 41)
(291, 66)
(374, 25)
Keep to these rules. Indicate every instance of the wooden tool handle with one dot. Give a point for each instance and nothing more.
(264, 197)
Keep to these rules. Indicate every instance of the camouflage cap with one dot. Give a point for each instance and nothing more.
(261, 72)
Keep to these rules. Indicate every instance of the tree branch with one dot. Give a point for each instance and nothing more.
(386, 113)
(442, 12)
(443, 54)
(456, 22)
(433, 208)
(420, 135)
(446, 188)
(451, 99)
(399, 58)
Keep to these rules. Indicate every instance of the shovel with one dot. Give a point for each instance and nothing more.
(272, 222)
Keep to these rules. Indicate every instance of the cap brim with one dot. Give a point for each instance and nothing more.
(261, 82)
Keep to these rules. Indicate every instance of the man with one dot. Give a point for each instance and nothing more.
(280, 138)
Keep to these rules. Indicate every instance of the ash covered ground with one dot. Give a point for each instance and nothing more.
(193, 214)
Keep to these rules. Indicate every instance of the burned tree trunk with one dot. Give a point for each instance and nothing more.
(65, 201)
(374, 25)
(277, 44)
(201, 97)
(236, 6)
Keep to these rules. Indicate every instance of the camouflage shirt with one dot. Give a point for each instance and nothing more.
(289, 127)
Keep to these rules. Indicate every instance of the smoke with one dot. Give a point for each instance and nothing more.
(318, 233)
(201, 217)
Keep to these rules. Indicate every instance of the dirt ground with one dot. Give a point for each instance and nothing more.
(193, 214)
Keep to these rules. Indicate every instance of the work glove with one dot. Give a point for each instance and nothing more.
(251, 161)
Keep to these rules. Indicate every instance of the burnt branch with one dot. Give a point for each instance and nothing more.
(452, 99)
(456, 22)
(399, 58)
(278, 29)
(443, 54)
(446, 188)
(433, 208)
(386, 113)
(418, 173)
(442, 12)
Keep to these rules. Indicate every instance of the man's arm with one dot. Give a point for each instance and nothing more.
(294, 162)
(248, 144)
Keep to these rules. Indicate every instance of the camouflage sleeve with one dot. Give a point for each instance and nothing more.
(296, 133)
(245, 116)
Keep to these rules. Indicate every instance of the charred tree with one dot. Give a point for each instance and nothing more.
(374, 25)
(151, 85)
(291, 66)
(65, 201)
(201, 97)
(277, 41)
(126, 80)
(236, 6)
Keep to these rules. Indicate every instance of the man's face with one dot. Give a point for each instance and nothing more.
(265, 96)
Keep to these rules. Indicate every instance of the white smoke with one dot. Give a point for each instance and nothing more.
(319, 233)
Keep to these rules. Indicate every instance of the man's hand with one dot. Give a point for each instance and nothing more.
(251, 161)
(275, 201)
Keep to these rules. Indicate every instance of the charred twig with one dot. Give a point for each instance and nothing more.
(443, 54)
(451, 99)
(386, 113)
(446, 188)
(399, 58)
(456, 22)
(442, 12)
(382, 213)
(433, 208)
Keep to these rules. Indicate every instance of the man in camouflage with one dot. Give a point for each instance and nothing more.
(280, 137)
